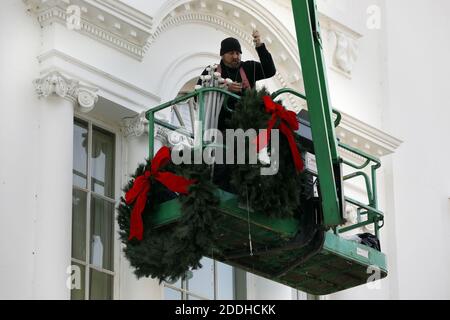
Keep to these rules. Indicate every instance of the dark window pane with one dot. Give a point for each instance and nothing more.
(77, 282)
(101, 286)
(103, 145)
(79, 225)
(80, 145)
(102, 233)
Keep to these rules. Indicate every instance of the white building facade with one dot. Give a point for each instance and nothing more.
(77, 76)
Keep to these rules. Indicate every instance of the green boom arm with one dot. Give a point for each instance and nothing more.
(314, 77)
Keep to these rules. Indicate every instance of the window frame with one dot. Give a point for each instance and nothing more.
(185, 292)
(91, 123)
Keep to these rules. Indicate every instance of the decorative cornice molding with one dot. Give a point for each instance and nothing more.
(132, 32)
(365, 137)
(200, 17)
(361, 136)
(55, 83)
(109, 21)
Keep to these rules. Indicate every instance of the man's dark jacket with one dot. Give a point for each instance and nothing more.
(254, 71)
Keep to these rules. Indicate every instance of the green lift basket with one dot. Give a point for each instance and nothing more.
(310, 255)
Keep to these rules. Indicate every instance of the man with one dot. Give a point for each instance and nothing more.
(243, 74)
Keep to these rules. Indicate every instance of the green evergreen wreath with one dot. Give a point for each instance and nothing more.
(168, 252)
(276, 195)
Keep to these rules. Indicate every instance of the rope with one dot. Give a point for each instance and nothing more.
(248, 223)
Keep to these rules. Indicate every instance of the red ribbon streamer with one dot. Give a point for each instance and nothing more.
(287, 126)
(142, 185)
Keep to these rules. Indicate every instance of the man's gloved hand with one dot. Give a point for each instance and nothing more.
(235, 87)
(256, 38)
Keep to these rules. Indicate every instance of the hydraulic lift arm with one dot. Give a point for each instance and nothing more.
(324, 139)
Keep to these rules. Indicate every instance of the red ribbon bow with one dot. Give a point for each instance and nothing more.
(142, 185)
(287, 126)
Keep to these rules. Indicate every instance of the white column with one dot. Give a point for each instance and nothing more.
(20, 38)
(136, 132)
(53, 222)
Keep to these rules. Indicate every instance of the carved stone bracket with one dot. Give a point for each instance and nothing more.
(346, 52)
(138, 126)
(55, 83)
(340, 45)
(176, 139)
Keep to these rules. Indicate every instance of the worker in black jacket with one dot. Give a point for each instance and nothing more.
(243, 74)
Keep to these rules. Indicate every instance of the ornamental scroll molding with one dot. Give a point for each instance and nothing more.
(361, 135)
(346, 53)
(340, 45)
(55, 83)
(138, 126)
(135, 126)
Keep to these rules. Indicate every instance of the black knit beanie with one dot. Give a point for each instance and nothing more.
(230, 44)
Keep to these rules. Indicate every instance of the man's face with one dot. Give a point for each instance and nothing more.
(232, 59)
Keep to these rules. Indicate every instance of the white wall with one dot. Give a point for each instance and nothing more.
(408, 56)
(19, 116)
(418, 109)
(398, 84)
